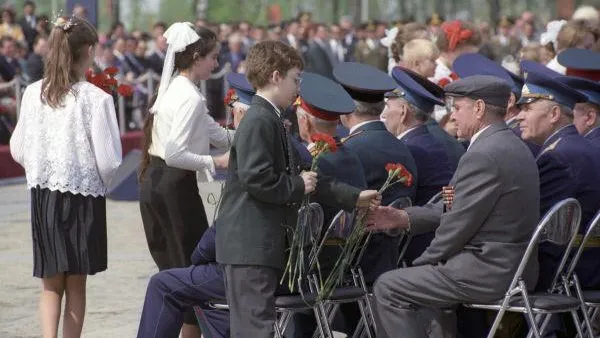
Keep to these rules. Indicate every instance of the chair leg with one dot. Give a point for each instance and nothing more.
(586, 318)
(577, 323)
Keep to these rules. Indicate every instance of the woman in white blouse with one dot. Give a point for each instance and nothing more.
(178, 136)
(67, 139)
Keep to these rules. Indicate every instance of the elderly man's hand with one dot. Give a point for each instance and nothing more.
(386, 218)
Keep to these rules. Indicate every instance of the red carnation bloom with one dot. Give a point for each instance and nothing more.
(229, 96)
(443, 82)
(454, 76)
(321, 140)
(111, 71)
(111, 82)
(125, 90)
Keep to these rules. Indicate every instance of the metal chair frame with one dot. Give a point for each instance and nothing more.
(518, 288)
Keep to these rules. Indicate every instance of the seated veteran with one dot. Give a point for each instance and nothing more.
(478, 242)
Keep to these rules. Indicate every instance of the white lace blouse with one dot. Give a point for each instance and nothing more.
(75, 148)
(183, 131)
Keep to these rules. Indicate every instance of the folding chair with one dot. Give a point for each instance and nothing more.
(406, 238)
(590, 299)
(311, 218)
(368, 325)
(559, 226)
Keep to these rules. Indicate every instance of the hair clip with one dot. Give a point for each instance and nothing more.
(64, 23)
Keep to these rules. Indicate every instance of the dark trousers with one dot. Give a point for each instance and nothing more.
(173, 216)
(250, 293)
(172, 292)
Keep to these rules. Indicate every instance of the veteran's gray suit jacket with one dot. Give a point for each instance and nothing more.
(479, 243)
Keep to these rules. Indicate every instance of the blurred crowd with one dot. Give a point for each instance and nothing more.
(428, 48)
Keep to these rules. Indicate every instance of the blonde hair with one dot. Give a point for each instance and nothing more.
(419, 49)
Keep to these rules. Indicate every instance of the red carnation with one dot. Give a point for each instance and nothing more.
(111, 71)
(111, 82)
(229, 96)
(324, 140)
(443, 82)
(125, 90)
(454, 76)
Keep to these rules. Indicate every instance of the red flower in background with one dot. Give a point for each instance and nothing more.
(229, 97)
(443, 82)
(111, 71)
(125, 90)
(455, 33)
(106, 81)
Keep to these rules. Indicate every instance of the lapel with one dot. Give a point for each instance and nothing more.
(593, 134)
(492, 129)
(555, 138)
(374, 125)
(263, 104)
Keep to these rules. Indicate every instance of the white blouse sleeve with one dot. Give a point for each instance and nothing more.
(177, 153)
(17, 140)
(106, 139)
(218, 136)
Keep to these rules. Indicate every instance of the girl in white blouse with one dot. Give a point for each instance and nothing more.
(178, 135)
(67, 139)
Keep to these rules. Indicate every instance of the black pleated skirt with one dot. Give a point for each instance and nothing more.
(68, 232)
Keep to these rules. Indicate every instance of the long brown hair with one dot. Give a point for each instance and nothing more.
(68, 45)
(183, 60)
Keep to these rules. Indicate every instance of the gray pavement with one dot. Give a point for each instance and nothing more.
(115, 296)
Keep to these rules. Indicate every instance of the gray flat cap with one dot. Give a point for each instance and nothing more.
(492, 90)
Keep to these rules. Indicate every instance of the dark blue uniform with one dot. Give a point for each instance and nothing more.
(568, 167)
(173, 291)
(432, 163)
(434, 171)
(454, 149)
(376, 147)
(594, 136)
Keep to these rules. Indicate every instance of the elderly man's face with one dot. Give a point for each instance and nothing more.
(536, 121)
(464, 111)
(585, 117)
(393, 114)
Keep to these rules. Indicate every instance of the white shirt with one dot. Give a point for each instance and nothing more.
(404, 133)
(557, 67)
(74, 148)
(183, 131)
(360, 125)
(477, 135)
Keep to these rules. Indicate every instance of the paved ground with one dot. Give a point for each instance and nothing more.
(115, 297)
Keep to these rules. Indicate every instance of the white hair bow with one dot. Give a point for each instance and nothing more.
(179, 36)
(551, 33)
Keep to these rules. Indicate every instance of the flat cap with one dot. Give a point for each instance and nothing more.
(492, 90)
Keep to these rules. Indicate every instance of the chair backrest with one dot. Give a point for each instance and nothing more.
(339, 229)
(592, 231)
(557, 209)
(310, 221)
(562, 230)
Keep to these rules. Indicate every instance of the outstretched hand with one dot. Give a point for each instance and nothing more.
(386, 218)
